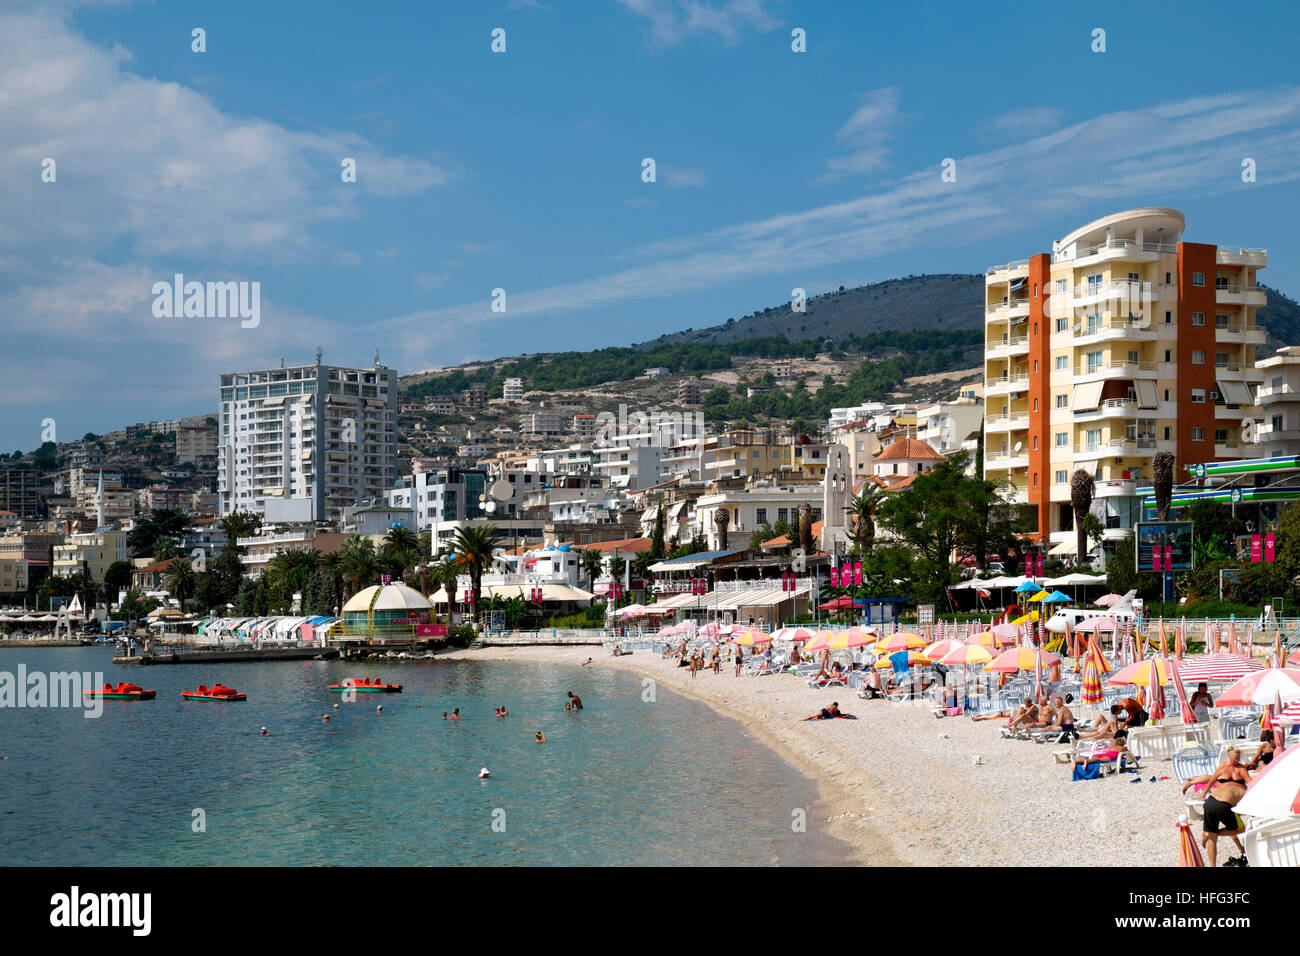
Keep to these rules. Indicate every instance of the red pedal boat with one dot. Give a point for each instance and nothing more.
(122, 691)
(371, 685)
(217, 692)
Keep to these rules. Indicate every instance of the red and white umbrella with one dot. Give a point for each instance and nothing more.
(1218, 667)
(1155, 694)
(1263, 688)
(939, 649)
(1095, 625)
(1276, 791)
(794, 634)
(1106, 600)
(1189, 854)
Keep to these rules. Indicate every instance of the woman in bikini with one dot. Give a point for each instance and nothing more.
(1227, 787)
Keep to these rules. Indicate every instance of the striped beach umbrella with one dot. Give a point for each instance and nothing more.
(1022, 659)
(966, 654)
(750, 638)
(1189, 854)
(818, 641)
(852, 637)
(940, 648)
(1092, 692)
(1262, 688)
(1218, 667)
(794, 634)
(1096, 625)
(1141, 673)
(1180, 691)
(1276, 791)
(1232, 638)
(1180, 641)
(1156, 695)
(902, 641)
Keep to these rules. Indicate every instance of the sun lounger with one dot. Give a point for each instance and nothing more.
(1273, 842)
(1163, 742)
(841, 681)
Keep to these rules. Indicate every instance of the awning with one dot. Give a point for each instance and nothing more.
(1066, 547)
(679, 601)
(1087, 396)
(1236, 393)
(1018, 284)
(1148, 395)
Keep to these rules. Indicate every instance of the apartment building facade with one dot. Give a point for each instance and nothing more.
(303, 442)
(1124, 341)
(1279, 401)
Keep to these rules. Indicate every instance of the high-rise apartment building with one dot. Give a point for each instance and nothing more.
(1123, 341)
(300, 443)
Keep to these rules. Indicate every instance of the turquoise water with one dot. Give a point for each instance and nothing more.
(621, 782)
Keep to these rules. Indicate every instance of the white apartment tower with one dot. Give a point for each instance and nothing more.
(300, 443)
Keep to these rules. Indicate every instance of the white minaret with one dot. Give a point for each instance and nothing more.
(99, 503)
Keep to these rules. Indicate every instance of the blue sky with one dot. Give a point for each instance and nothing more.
(522, 170)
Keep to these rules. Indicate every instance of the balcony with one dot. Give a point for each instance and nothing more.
(1006, 385)
(1236, 372)
(1101, 371)
(1010, 346)
(1235, 448)
(1110, 408)
(1232, 413)
(1136, 330)
(1006, 461)
(1240, 256)
(1016, 421)
(1116, 488)
(1123, 290)
(1007, 271)
(1141, 447)
(1270, 435)
(1116, 250)
(1280, 393)
(1240, 295)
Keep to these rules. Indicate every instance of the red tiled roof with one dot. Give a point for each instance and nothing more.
(626, 545)
(909, 449)
(157, 567)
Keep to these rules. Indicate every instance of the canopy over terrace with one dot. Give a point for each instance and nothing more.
(692, 562)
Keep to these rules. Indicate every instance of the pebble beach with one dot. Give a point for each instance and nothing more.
(901, 787)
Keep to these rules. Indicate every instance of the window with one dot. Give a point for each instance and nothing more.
(1062, 285)
(1035, 406)
(1198, 396)
(1221, 436)
(1134, 277)
(1277, 423)
(1221, 280)
(1198, 357)
(1198, 318)
(1094, 284)
(1035, 479)
(1198, 433)
(1035, 290)
(1221, 359)
(1166, 395)
(1221, 321)
(1062, 324)
(1062, 362)
(1062, 439)
(1035, 443)
(1198, 278)
(1062, 401)
(1035, 330)
(1169, 278)
(1168, 433)
(1062, 477)
(782, 514)
(1094, 323)
(1035, 360)
(1132, 357)
(1169, 318)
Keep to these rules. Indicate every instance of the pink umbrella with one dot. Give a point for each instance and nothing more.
(1008, 632)
(1276, 791)
(1218, 667)
(1155, 693)
(1263, 687)
(1106, 600)
(1185, 708)
(1095, 625)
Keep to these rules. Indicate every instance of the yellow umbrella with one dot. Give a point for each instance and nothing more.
(1021, 658)
(990, 639)
(749, 638)
(853, 637)
(967, 654)
(938, 649)
(900, 642)
(913, 657)
(818, 642)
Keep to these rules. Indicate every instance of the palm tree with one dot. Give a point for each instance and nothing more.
(1162, 482)
(1082, 487)
(862, 511)
(165, 548)
(474, 549)
(721, 519)
(179, 580)
(358, 562)
(445, 575)
(401, 539)
(287, 574)
(592, 563)
(330, 567)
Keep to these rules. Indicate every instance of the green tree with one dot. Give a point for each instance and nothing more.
(862, 515)
(118, 575)
(657, 546)
(240, 524)
(359, 563)
(179, 580)
(474, 548)
(161, 524)
(592, 563)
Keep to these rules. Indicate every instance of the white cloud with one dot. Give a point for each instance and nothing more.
(682, 177)
(672, 21)
(867, 133)
(1029, 121)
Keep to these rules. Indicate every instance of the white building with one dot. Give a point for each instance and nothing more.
(753, 507)
(300, 443)
(1278, 397)
(512, 390)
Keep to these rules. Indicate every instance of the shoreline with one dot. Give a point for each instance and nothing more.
(902, 788)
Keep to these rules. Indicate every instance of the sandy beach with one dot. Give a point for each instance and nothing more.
(902, 787)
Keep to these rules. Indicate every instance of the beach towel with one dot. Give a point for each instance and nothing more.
(1086, 771)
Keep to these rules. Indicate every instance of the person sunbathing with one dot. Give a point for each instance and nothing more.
(1266, 750)
(829, 713)
(1064, 717)
(872, 685)
(1046, 715)
(1104, 727)
(835, 672)
(1026, 715)
(1117, 747)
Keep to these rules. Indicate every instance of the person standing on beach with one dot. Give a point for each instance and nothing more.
(738, 655)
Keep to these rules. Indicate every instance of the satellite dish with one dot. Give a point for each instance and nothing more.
(502, 490)
(490, 507)
(1019, 445)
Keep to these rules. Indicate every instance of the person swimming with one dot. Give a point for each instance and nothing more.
(541, 737)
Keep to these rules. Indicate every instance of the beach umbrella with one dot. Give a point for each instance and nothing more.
(750, 638)
(1232, 638)
(1180, 639)
(1028, 587)
(1156, 695)
(1038, 676)
(794, 634)
(1262, 688)
(852, 637)
(1006, 631)
(819, 641)
(1141, 672)
(1095, 625)
(1276, 791)
(1022, 659)
(1106, 600)
(939, 649)
(1092, 692)
(965, 654)
(1189, 854)
(1056, 597)
(1218, 667)
(902, 641)
(1180, 691)
(913, 658)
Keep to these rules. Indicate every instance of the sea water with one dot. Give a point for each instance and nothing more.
(635, 778)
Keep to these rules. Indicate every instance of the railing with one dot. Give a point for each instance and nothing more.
(1127, 325)
(1093, 368)
(1008, 419)
(1009, 380)
(1131, 245)
(1116, 288)
(1110, 404)
(1268, 391)
(1007, 267)
(1241, 251)
(1145, 441)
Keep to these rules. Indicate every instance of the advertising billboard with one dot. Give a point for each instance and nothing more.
(1164, 546)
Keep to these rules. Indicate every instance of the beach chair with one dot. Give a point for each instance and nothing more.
(1273, 842)
(841, 681)
(1238, 725)
(1085, 749)
(1194, 760)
